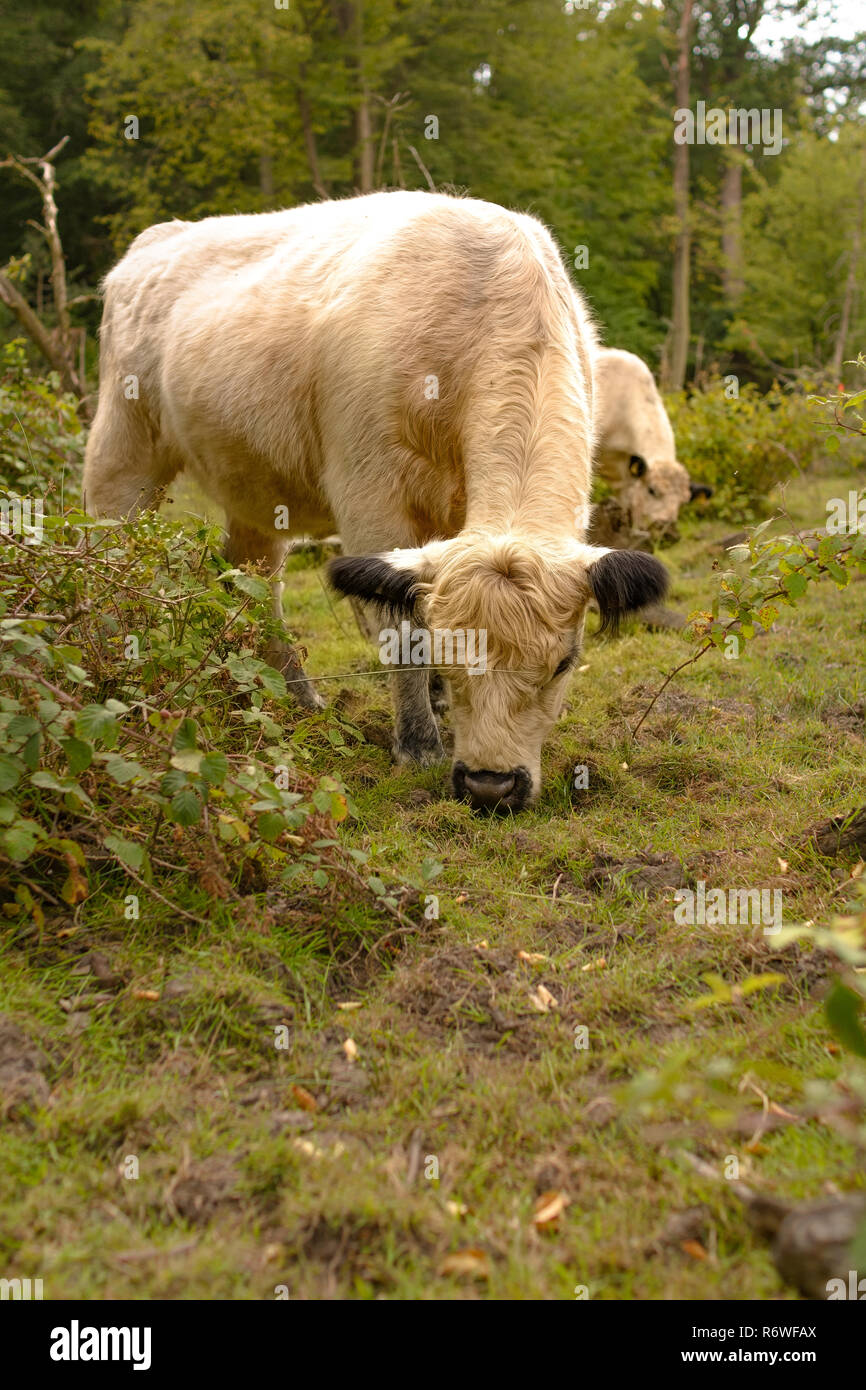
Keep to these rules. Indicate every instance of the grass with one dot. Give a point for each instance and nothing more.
(171, 1150)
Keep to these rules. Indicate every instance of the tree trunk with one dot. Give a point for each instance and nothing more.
(58, 347)
(366, 152)
(679, 331)
(732, 231)
(310, 144)
(850, 285)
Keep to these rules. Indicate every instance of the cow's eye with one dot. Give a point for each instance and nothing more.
(563, 666)
(637, 466)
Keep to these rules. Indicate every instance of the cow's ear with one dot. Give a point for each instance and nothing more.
(623, 581)
(393, 582)
(702, 490)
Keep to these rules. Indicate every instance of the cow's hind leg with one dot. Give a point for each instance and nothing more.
(124, 466)
(245, 546)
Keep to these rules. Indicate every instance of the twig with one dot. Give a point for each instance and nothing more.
(422, 166)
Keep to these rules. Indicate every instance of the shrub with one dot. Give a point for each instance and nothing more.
(42, 440)
(140, 732)
(746, 445)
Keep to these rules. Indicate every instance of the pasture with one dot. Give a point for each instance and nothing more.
(286, 1089)
(522, 305)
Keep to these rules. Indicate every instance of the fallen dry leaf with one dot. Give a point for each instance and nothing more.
(542, 1000)
(599, 963)
(350, 1004)
(456, 1209)
(305, 1100)
(350, 1047)
(531, 957)
(549, 1208)
(783, 865)
(693, 1248)
(152, 994)
(472, 1262)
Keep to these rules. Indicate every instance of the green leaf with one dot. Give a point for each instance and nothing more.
(126, 851)
(79, 755)
(31, 751)
(121, 771)
(98, 723)
(186, 735)
(20, 840)
(249, 584)
(213, 768)
(843, 1007)
(187, 761)
(48, 781)
(21, 728)
(270, 824)
(273, 682)
(320, 878)
(186, 806)
(10, 771)
(795, 584)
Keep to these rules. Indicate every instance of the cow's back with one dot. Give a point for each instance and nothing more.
(269, 345)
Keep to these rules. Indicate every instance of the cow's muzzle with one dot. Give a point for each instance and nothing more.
(499, 793)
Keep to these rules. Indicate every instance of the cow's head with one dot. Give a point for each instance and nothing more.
(525, 601)
(654, 490)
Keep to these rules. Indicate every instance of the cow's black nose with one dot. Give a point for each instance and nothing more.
(487, 789)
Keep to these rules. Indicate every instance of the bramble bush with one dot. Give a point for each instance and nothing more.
(745, 445)
(140, 732)
(42, 438)
(778, 569)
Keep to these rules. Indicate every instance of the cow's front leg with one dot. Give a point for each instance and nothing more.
(416, 733)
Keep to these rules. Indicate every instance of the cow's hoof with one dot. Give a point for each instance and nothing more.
(308, 696)
(423, 752)
(438, 694)
(298, 684)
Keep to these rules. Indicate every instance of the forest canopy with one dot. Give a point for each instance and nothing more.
(187, 108)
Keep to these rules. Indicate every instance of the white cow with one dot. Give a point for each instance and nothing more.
(415, 369)
(635, 448)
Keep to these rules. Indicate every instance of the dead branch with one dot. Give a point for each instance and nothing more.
(57, 347)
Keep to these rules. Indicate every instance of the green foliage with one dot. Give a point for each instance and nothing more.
(139, 728)
(845, 940)
(41, 436)
(744, 445)
(809, 220)
(778, 570)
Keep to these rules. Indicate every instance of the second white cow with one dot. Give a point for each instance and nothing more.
(635, 446)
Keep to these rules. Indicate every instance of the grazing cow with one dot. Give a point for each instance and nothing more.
(416, 369)
(635, 449)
